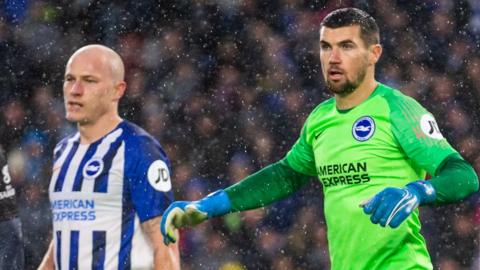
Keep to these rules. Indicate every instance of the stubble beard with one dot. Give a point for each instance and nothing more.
(348, 86)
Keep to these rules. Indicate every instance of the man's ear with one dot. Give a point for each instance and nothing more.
(119, 90)
(374, 53)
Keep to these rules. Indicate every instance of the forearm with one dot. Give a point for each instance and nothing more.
(165, 257)
(455, 180)
(268, 185)
(47, 262)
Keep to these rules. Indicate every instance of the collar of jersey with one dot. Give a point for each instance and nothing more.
(77, 140)
(369, 97)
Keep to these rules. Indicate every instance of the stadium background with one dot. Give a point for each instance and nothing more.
(225, 86)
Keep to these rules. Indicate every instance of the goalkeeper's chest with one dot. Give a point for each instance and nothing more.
(347, 149)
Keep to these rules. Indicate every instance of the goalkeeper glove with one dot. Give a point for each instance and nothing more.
(391, 206)
(189, 213)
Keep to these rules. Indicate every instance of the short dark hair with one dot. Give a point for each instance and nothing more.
(369, 32)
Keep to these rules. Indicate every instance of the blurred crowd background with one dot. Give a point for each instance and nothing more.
(225, 87)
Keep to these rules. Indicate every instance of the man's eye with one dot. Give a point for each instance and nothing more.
(324, 47)
(347, 46)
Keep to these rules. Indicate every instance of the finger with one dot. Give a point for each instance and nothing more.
(372, 204)
(166, 240)
(401, 214)
(397, 219)
(171, 236)
(380, 213)
(163, 222)
(170, 223)
(362, 204)
(386, 216)
(176, 218)
(194, 215)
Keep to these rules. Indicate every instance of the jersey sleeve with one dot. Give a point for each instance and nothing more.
(266, 186)
(418, 134)
(150, 182)
(301, 157)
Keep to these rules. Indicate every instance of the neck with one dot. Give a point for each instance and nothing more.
(363, 91)
(91, 132)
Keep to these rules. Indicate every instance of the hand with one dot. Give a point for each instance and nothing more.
(391, 206)
(180, 214)
(189, 213)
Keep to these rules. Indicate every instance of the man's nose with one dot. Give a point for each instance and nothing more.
(335, 56)
(77, 88)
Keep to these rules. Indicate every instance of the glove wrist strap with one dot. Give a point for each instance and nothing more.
(425, 191)
(216, 203)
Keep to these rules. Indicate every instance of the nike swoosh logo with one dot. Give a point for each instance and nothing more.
(318, 135)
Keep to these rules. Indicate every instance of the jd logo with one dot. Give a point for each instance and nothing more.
(433, 127)
(162, 175)
(159, 176)
(429, 127)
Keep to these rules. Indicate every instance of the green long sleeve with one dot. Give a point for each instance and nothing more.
(455, 180)
(266, 186)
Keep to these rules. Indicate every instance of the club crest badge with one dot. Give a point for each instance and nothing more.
(363, 129)
(92, 168)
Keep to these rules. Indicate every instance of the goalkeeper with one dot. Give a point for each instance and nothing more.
(369, 146)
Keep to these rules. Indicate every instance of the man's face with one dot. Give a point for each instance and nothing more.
(88, 88)
(344, 58)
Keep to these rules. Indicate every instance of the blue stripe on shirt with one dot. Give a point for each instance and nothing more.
(65, 165)
(128, 217)
(101, 182)
(98, 252)
(77, 184)
(59, 249)
(57, 154)
(73, 250)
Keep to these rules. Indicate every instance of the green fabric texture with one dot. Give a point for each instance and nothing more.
(268, 185)
(455, 180)
(417, 132)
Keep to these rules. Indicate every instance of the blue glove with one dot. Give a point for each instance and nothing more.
(391, 206)
(187, 213)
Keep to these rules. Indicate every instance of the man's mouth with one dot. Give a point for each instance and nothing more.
(335, 74)
(74, 105)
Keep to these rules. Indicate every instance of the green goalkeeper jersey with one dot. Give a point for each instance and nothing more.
(388, 140)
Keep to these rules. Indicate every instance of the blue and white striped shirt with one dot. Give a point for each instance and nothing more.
(101, 192)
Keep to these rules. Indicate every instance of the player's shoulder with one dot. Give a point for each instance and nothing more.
(397, 100)
(70, 137)
(136, 136)
(328, 103)
(320, 112)
(139, 143)
(61, 145)
(325, 105)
